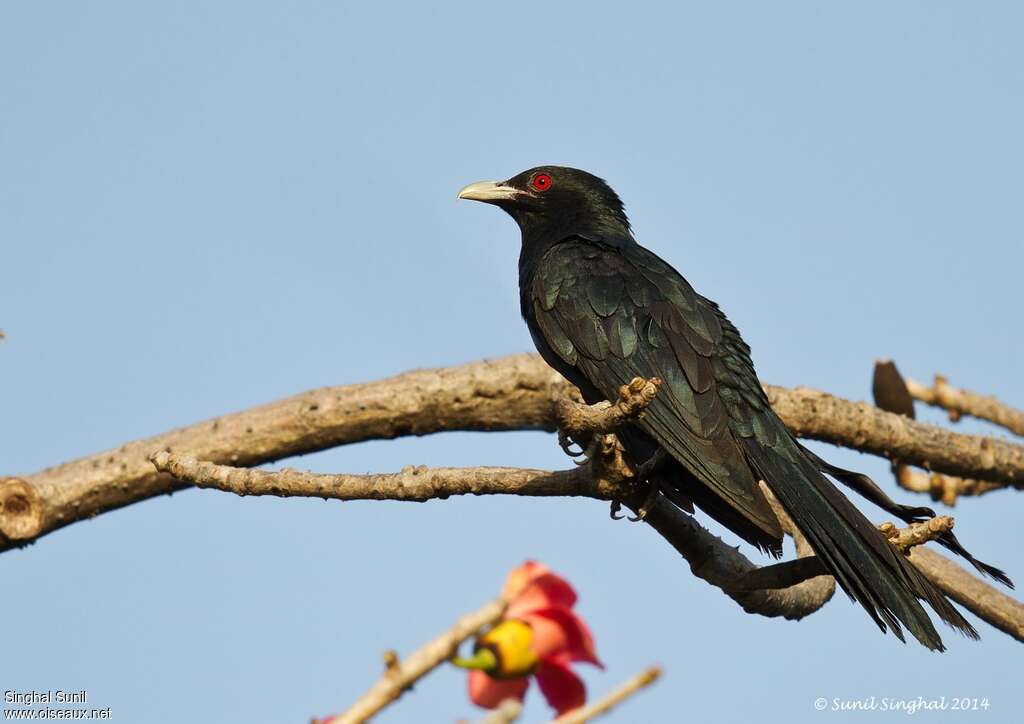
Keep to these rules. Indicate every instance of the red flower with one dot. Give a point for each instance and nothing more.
(539, 636)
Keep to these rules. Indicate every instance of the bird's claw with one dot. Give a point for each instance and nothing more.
(594, 448)
(585, 454)
(614, 511)
(565, 442)
(641, 512)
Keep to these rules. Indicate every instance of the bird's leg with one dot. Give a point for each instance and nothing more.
(591, 427)
(653, 492)
(607, 457)
(568, 434)
(643, 473)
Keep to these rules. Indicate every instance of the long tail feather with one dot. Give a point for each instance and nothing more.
(867, 488)
(864, 563)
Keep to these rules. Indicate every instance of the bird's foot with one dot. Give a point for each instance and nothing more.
(653, 491)
(636, 396)
(596, 448)
(644, 475)
(579, 423)
(586, 448)
(566, 442)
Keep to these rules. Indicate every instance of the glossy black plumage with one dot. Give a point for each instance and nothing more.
(603, 310)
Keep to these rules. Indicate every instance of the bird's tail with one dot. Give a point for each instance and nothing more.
(860, 558)
(866, 487)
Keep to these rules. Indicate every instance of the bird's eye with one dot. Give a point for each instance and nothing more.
(541, 182)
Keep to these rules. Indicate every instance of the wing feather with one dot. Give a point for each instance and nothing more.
(615, 318)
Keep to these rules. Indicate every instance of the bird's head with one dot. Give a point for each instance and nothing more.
(552, 202)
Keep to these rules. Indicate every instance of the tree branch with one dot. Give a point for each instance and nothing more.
(512, 393)
(858, 425)
(710, 558)
(981, 599)
(612, 699)
(414, 483)
(959, 402)
(399, 676)
(944, 488)
(507, 712)
(892, 393)
(791, 590)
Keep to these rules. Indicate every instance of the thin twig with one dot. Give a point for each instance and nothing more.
(710, 558)
(958, 402)
(612, 699)
(400, 675)
(414, 483)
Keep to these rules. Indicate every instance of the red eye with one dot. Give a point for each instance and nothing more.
(541, 182)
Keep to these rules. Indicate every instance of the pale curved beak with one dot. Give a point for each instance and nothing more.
(489, 192)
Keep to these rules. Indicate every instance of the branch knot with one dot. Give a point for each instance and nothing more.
(917, 533)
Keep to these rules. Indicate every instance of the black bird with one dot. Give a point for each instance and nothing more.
(603, 310)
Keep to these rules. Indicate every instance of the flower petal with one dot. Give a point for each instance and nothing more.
(520, 576)
(489, 693)
(560, 685)
(560, 632)
(546, 590)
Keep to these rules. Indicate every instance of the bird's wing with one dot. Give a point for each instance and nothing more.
(619, 314)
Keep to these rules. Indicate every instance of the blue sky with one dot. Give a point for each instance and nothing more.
(206, 207)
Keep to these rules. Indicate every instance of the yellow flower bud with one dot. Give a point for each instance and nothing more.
(511, 643)
(504, 652)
